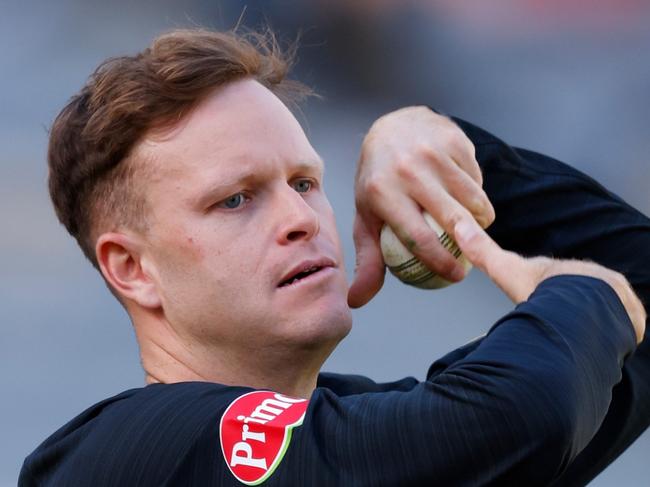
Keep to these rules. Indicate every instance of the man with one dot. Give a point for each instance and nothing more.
(194, 191)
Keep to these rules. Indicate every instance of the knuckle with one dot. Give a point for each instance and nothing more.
(374, 185)
(405, 169)
(456, 138)
(465, 187)
(426, 152)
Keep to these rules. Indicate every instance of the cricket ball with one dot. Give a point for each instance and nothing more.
(408, 268)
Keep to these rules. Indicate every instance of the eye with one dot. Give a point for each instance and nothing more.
(232, 202)
(302, 185)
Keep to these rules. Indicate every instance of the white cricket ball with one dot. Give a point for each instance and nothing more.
(408, 268)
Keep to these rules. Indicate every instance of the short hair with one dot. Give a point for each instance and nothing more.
(92, 179)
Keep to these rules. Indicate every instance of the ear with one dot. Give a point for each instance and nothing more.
(121, 262)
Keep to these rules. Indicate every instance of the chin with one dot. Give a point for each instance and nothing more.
(326, 332)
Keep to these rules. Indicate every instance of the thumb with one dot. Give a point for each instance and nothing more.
(370, 270)
(506, 269)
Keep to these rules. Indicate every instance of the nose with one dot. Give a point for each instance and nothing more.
(298, 220)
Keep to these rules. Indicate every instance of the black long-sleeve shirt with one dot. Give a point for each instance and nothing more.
(552, 394)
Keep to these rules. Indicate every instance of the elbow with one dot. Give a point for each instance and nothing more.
(556, 424)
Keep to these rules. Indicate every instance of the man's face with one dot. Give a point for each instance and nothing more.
(238, 211)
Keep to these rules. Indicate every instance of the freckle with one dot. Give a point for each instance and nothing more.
(410, 244)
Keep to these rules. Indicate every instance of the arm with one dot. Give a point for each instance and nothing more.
(515, 410)
(574, 217)
(413, 158)
(556, 356)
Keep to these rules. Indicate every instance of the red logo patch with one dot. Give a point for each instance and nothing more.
(255, 432)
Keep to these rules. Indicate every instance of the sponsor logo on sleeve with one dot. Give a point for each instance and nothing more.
(255, 432)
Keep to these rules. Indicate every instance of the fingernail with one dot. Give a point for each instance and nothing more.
(464, 231)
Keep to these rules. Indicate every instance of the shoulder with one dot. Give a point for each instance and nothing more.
(138, 434)
(159, 410)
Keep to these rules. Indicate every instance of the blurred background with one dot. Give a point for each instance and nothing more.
(569, 78)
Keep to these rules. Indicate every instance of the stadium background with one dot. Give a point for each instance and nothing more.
(569, 78)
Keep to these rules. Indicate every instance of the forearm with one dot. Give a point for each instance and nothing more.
(518, 408)
(557, 358)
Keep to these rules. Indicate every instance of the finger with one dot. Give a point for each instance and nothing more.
(463, 153)
(407, 222)
(369, 270)
(444, 201)
(506, 269)
(461, 186)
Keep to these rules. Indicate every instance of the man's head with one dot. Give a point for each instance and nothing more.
(200, 199)
(94, 183)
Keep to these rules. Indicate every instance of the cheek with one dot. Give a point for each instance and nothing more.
(227, 265)
(211, 251)
(181, 259)
(203, 286)
(191, 249)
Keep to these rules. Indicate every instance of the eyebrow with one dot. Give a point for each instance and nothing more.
(209, 192)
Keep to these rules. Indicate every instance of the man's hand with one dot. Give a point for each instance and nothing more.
(413, 159)
(518, 276)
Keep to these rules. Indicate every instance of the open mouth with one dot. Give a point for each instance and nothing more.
(300, 275)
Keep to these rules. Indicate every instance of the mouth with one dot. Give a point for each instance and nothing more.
(304, 272)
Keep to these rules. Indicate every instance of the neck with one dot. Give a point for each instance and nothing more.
(167, 359)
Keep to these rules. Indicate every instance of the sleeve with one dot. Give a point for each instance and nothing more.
(544, 207)
(516, 410)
